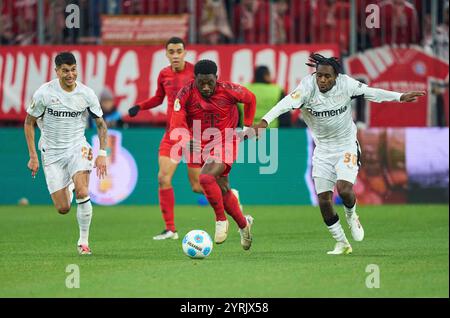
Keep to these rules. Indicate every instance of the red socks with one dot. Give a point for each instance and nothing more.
(232, 207)
(214, 195)
(166, 203)
(220, 203)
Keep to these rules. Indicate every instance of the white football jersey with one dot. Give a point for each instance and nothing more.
(329, 115)
(62, 116)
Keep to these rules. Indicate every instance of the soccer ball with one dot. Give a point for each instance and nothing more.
(197, 244)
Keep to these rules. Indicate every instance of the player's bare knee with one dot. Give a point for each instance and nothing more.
(345, 192)
(64, 209)
(197, 188)
(164, 180)
(325, 203)
(81, 193)
(225, 187)
(325, 200)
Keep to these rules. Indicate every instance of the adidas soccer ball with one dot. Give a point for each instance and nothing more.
(197, 244)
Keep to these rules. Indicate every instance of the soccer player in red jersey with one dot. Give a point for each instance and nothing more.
(206, 109)
(170, 80)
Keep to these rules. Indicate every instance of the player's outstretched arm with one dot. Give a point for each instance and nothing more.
(151, 102)
(100, 161)
(33, 163)
(411, 96)
(147, 104)
(379, 95)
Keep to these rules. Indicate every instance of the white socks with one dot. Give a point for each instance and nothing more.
(350, 212)
(84, 216)
(337, 232)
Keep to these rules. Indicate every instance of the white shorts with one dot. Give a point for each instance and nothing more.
(331, 165)
(59, 174)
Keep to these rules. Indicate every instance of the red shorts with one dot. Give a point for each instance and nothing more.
(165, 147)
(225, 153)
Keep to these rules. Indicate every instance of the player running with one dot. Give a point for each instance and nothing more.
(60, 109)
(206, 115)
(325, 99)
(170, 80)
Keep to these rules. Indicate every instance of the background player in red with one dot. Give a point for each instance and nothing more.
(210, 105)
(170, 80)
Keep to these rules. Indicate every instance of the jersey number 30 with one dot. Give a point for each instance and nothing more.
(350, 157)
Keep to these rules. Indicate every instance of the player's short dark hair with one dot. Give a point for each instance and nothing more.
(175, 40)
(205, 67)
(316, 59)
(65, 58)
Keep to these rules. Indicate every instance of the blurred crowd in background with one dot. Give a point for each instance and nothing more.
(239, 21)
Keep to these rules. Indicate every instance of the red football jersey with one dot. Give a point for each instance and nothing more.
(169, 83)
(218, 111)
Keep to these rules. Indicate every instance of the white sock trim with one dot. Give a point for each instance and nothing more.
(84, 217)
(83, 200)
(350, 211)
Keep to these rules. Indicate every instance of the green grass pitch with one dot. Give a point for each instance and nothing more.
(409, 244)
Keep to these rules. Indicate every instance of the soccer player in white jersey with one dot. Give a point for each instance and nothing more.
(60, 109)
(325, 100)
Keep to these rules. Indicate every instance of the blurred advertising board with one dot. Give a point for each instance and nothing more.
(401, 165)
(143, 29)
(131, 72)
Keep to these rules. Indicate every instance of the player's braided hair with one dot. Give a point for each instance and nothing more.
(316, 59)
(205, 67)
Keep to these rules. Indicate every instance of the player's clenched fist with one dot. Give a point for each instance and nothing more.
(33, 165)
(133, 111)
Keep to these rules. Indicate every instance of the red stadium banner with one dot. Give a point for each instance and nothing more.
(131, 72)
(400, 69)
(143, 29)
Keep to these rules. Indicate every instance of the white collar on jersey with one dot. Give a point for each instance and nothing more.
(58, 84)
(328, 93)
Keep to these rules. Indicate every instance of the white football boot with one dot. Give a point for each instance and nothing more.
(246, 235)
(355, 226)
(341, 248)
(83, 249)
(166, 234)
(221, 231)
